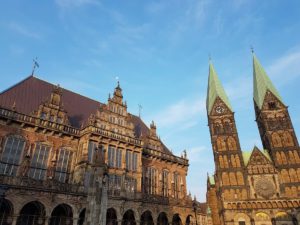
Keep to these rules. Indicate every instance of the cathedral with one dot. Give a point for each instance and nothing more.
(258, 187)
(66, 159)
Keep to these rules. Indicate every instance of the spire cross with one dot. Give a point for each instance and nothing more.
(252, 49)
(140, 109)
(209, 57)
(35, 64)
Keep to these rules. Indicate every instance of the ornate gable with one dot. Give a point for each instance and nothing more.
(260, 163)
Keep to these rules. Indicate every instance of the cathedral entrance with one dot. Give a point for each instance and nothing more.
(111, 217)
(128, 218)
(33, 213)
(176, 220)
(6, 212)
(62, 215)
(146, 218)
(162, 219)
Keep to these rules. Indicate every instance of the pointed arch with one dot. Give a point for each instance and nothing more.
(226, 165)
(221, 145)
(287, 139)
(225, 178)
(296, 156)
(283, 157)
(278, 158)
(293, 175)
(231, 142)
(285, 176)
(221, 161)
(128, 218)
(232, 178)
(232, 159)
(81, 218)
(237, 160)
(276, 140)
(176, 220)
(240, 178)
(291, 157)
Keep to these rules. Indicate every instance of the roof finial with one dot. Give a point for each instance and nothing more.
(209, 57)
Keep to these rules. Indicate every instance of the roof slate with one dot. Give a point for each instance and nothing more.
(262, 84)
(215, 89)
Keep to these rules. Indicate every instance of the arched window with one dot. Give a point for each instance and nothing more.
(288, 139)
(39, 162)
(221, 145)
(63, 163)
(276, 140)
(12, 154)
(232, 178)
(231, 143)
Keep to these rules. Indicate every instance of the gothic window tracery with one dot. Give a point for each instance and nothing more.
(278, 158)
(285, 176)
(287, 138)
(240, 178)
(237, 160)
(11, 155)
(293, 175)
(63, 164)
(218, 128)
(232, 178)
(225, 178)
(233, 162)
(226, 165)
(221, 161)
(227, 126)
(296, 156)
(283, 157)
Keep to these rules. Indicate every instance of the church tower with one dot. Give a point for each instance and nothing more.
(276, 129)
(229, 174)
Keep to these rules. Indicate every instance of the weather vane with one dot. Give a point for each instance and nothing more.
(35, 65)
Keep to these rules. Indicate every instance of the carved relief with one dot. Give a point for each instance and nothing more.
(264, 187)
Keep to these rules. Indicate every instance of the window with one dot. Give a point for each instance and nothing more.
(152, 180)
(242, 223)
(39, 162)
(131, 160)
(130, 184)
(175, 183)
(165, 183)
(43, 115)
(114, 185)
(62, 165)
(91, 150)
(11, 156)
(59, 120)
(272, 105)
(114, 157)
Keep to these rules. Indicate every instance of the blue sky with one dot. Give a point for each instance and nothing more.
(159, 50)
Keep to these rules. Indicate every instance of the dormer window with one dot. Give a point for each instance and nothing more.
(272, 105)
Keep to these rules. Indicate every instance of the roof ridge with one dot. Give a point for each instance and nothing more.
(16, 84)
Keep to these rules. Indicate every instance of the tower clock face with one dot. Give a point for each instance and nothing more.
(220, 109)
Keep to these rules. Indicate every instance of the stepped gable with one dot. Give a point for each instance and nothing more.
(28, 94)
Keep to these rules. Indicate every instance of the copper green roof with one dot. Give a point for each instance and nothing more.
(214, 90)
(261, 83)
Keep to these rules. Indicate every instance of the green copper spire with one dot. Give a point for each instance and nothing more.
(261, 84)
(214, 90)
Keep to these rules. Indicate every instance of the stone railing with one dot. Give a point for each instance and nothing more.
(165, 156)
(113, 135)
(34, 121)
(26, 183)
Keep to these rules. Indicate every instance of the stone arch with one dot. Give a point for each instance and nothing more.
(111, 217)
(283, 157)
(232, 178)
(221, 161)
(218, 127)
(276, 140)
(262, 218)
(231, 143)
(285, 176)
(6, 211)
(241, 219)
(162, 219)
(287, 139)
(227, 126)
(226, 165)
(81, 217)
(296, 156)
(32, 213)
(237, 160)
(176, 220)
(146, 218)
(291, 157)
(62, 214)
(225, 178)
(188, 220)
(298, 173)
(221, 145)
(283, 217)
(278, 158)
(240, 178)
(232, 159)
(293, 175)
(128, 218)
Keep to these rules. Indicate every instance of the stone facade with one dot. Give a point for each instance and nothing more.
(261, 186)
(67, 159)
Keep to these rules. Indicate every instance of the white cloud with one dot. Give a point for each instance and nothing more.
(21, 29)
(195, 154)
(286, 67)
(182, 113)
(75, 3)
